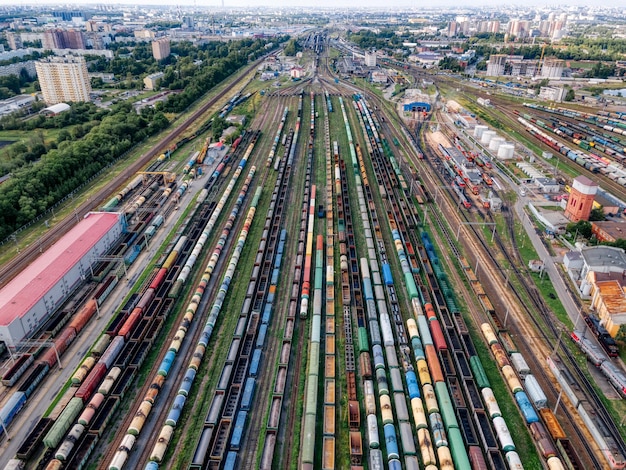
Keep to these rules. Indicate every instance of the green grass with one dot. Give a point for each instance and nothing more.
(220, 340)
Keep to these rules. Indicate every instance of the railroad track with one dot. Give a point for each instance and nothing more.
(523, 336)
(160, 407)
(28, 254)
(607, 183)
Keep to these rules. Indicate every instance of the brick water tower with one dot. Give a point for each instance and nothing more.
(581, 198)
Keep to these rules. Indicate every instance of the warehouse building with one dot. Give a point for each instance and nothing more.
(29, 299)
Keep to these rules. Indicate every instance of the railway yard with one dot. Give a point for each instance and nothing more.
(332, 291)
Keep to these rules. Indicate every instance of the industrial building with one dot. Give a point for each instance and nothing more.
(64, 79)
(29, 299)
(548, 93)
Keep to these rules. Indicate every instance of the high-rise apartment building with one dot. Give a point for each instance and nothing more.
(14, 40)
(60, 39)
(63, 79)
(161, 48)
(496, 64)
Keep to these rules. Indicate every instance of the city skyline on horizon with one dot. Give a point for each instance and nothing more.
(368, 4)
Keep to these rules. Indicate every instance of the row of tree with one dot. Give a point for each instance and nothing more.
(210, 73)
(35, 188)
(50, 171)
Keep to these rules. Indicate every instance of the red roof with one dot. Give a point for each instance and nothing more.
(28, 287)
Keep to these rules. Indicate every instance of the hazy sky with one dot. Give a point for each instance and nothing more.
(329, 3)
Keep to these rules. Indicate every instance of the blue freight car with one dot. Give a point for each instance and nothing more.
(529, 413)
(248, 394)
(387, 277)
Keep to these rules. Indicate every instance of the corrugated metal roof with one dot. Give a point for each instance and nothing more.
(613, 296)
(28, 287)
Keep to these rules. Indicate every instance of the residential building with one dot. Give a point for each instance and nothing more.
(63, 79)
(150, 82)
(552, 68)
(495, 65)
(161, 48)
(144, 34)
(14, 40)
(60, 39)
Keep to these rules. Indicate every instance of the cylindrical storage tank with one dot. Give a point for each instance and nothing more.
(411, 383)
(430, 399)
(554, 463)
(412, 327)
(495, 143)
(136, 425)
(109, 380)
(493, 409)
(395, 464)
(161, 446)
(506, 151)
(391, 442)
(54, 464)
(511, 379)
(426, 447)
(70, 441)
(439, 434)
(381, 380)
(372, 432)
(385, 409)
(515, 463)
(487, 136)
(370, 398)
(424, 374)
(418, 413)
(488, 333)
(121, 456)
(479, 130)
(504, 436)
(445, 458)
(500, 354)
(83, 370)
(90, 411)
(376, 459)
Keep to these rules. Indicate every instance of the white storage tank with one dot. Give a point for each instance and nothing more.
(506, 151)
(487, 136)
(495, 143)
(479, 130)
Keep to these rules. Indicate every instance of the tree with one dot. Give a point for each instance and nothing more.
(450, 63)
(580, 228)
(597, 214)
(570, 95)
